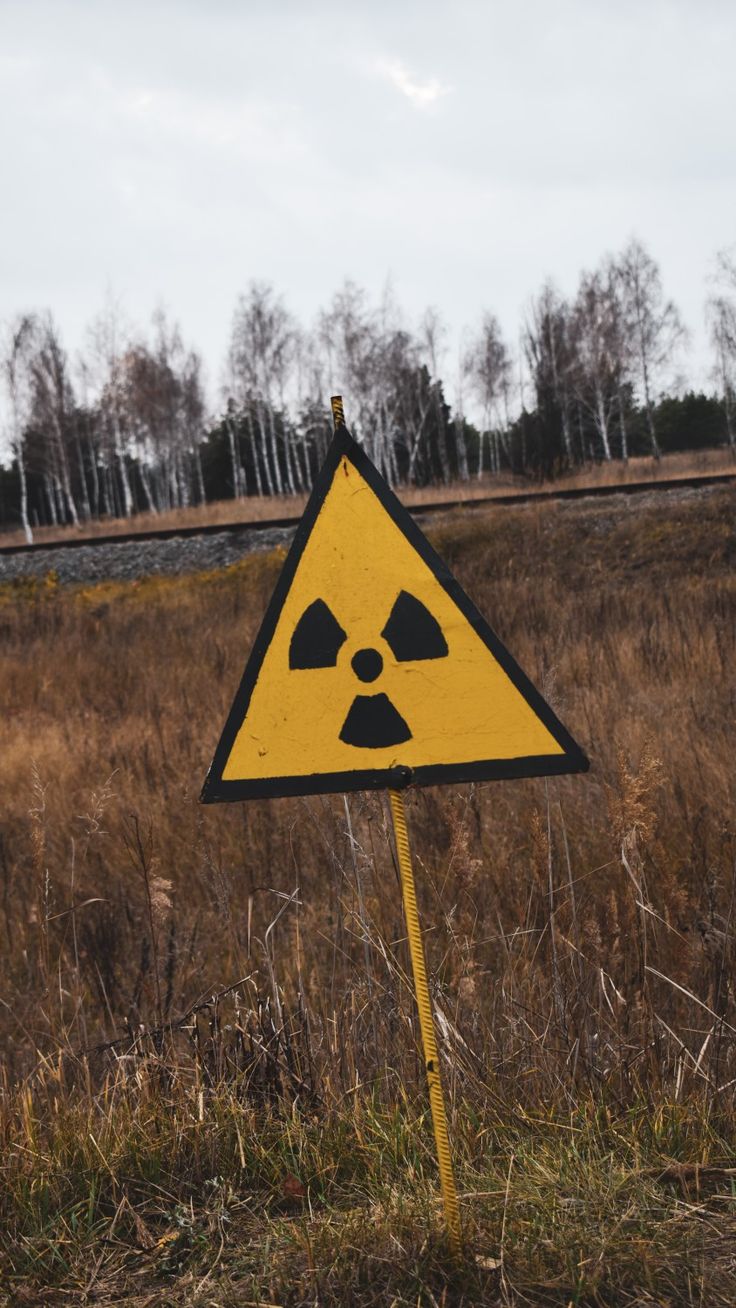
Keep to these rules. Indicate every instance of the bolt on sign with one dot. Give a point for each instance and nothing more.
(373, 669)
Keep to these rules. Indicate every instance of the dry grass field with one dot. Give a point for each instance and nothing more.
(211, 1087)
(261, 508)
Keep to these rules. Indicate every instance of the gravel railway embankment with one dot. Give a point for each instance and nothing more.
(127, 560)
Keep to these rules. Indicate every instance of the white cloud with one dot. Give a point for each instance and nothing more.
(422, 94)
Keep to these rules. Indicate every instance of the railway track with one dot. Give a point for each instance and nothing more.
(419, 510)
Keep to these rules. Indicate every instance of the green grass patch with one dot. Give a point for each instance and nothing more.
(182, 1190)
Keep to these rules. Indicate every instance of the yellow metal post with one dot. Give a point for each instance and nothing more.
(421, 988)
(426, 1021)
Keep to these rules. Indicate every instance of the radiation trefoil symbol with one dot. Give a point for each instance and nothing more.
(411, 633)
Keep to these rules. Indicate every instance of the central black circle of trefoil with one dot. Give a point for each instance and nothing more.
(367, 664)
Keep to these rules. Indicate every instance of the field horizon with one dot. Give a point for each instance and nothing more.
(258, 508)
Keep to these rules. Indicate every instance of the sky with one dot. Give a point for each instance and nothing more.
(169, 151)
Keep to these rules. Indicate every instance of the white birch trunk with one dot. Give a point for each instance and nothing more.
(23, 494)
(256, 456)
(86, 507)
(234, 462)
(276, 470)
(288, 477)
(462, 450)
(146, 484)
(602, 423)
(120, 456)
(202, 498)
(622, 429)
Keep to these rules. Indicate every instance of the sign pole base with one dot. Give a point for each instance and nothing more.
(426, 1022)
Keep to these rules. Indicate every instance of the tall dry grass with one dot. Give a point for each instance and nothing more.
(579, 930)
(122, 898)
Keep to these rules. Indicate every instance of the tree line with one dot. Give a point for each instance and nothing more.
(124, 427)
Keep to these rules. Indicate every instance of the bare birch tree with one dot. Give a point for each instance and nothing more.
(721, 317)
(52, 416)
(653, 324)
(16, 360)
(108, 339)
(261, 355)
(487, 365)
(432, 338)
(550, 357)
(620, 346)
(346, 338)
(396, 403)
(596, 375)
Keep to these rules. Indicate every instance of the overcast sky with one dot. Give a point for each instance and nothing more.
(465, 150)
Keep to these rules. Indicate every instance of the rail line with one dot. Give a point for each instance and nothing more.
(417, 510)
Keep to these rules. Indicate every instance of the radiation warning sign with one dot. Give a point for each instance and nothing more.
(373, 668)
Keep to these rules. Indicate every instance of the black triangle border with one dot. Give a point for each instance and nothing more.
(216, 790)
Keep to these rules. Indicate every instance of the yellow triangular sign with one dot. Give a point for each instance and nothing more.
(373, 668)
